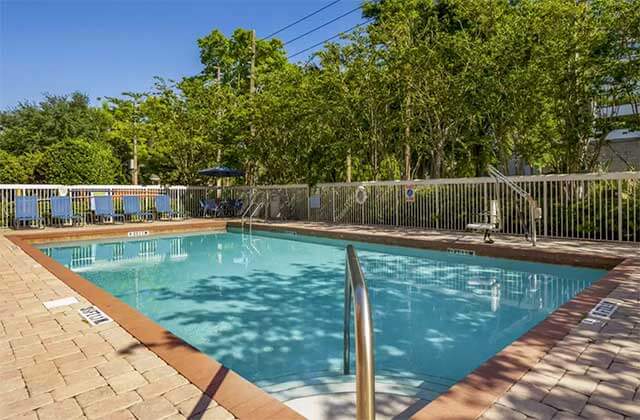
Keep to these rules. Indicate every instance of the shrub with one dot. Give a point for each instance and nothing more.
(12, 171)
(390, 168)
(77, 161)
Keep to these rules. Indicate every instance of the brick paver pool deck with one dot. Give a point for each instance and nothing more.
(53, 365)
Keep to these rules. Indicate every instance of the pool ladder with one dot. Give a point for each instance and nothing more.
(355, 289)
(256, 203)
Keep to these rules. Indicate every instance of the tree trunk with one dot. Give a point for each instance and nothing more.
(407, 138)
(407, 160)
(349, 165)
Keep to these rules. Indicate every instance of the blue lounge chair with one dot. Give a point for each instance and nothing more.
(104, 208)
(210, 207)
(132, 208)
(27, 211)
(163, 207)
(62, 211)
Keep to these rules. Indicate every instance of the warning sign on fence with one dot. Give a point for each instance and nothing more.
(410, 193)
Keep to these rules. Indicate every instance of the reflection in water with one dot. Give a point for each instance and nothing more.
(271, 307)
(116, 255)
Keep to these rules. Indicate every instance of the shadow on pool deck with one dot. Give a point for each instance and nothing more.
(172, 342)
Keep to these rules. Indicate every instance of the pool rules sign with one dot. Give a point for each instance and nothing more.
(410, 193)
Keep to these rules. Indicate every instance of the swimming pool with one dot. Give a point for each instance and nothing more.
(270, 306)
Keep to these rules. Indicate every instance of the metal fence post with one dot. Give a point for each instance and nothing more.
(619, 209)
(437, 208)
(308, 191)
(333, 204)
(395, 195)
(544, 208)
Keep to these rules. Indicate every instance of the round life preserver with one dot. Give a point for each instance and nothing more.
(361, 194)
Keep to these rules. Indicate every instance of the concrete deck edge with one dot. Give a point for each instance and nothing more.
(480, 249)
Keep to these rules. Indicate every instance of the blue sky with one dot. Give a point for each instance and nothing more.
(105, 47)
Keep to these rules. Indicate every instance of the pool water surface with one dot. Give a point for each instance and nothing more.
(270, 306)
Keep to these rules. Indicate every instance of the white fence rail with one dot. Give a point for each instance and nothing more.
(184, 200)
(582, 206)
(291, 199)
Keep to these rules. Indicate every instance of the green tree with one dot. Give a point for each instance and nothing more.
(32, 127)
(77, 161)
(12, 170)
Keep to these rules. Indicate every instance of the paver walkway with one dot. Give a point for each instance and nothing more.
(593, 373)
(53, 365)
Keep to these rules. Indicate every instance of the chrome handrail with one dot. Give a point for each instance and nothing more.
(533, 204)
(253, 213)
(253, 197)
(355, 289)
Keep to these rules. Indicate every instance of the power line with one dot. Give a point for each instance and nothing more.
(329, 39)
(322, 26)
(302, 19)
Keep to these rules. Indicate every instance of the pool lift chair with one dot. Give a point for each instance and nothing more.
(535, 213)
(491, 222)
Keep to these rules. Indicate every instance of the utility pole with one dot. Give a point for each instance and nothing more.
(252, 90)
(219, 155)
(252, 75)
(134, 162)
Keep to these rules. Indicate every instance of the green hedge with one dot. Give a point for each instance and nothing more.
(77, 161)
(12, 171)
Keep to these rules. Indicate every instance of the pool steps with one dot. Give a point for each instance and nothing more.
(424, 388)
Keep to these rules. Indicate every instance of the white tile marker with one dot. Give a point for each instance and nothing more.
(60, 302)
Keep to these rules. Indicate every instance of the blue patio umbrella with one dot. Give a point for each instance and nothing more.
(222, 172)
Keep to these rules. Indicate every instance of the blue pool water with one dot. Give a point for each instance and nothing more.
(270, 307)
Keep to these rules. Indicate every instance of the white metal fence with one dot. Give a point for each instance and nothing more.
(183, 199)
(582, 206)
(292, 199)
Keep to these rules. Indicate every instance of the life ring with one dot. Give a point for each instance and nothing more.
(361, 194)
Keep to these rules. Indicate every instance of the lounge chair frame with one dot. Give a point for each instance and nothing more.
(102, 213)
(162, 204)
(62, 211)
(132, 207)
(26, 210)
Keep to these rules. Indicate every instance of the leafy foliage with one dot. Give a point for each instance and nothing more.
(12, 170)
(428, 89)
(77, 161)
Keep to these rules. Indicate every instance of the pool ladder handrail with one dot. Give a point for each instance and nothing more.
(253, 197)
(253, 213)
(355, 289)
